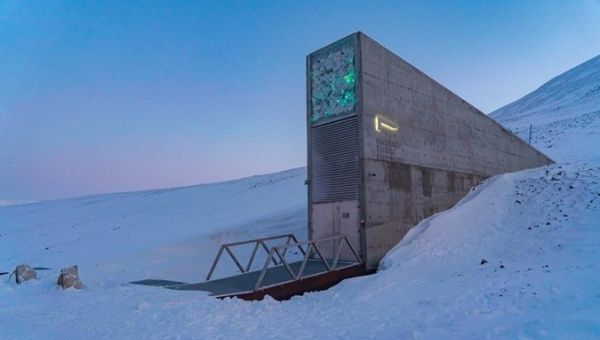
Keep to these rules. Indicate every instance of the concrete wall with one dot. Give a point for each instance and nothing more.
(443, 146)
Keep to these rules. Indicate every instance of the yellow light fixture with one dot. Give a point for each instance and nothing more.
(382, 123)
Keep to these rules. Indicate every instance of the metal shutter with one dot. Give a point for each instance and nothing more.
(334, 148)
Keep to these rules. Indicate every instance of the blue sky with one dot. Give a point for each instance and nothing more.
(103, 96)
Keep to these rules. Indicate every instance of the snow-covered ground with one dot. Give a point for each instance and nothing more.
(519, 257)
(169, 232)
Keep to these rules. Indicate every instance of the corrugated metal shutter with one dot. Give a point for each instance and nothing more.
(335, 173)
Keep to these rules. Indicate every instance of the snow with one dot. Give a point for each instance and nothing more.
(538, 231)
(170, 232)
(573, 93)
(564, 114)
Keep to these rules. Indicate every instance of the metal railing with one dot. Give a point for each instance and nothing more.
(258, 243)
(276, 256)
(312, 245)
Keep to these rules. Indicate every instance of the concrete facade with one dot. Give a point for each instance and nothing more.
(421, 149)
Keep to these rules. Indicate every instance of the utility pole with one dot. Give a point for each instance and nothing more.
(530, 129)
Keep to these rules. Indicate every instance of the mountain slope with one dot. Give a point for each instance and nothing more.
(573, 93)
(564, 114)
(137, 231)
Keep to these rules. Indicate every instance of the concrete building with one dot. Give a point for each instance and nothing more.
(389, 146)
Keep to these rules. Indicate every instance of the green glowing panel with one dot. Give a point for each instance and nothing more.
(333, 84)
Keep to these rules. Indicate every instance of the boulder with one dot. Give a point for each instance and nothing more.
(24, 273)
(69, 277)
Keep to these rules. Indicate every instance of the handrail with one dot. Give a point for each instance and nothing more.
(311, 245)
(276, 255)
(259, 242)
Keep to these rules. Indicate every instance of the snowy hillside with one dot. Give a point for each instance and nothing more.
(564, 114)
(519, 257)
(168, 233)
(573, 93)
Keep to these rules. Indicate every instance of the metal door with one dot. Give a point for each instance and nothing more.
(337, 218)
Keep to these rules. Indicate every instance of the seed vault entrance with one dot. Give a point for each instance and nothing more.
(334, 145)
(388, 146)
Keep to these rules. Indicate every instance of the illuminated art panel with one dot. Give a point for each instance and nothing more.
(333, 84)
